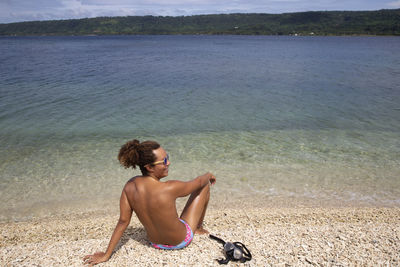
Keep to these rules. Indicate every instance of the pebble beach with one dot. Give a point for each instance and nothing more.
(281, 233)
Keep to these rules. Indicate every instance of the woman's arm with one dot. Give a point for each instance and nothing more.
(181, 189)
(123, 222)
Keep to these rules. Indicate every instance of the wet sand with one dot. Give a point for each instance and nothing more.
(278, 235)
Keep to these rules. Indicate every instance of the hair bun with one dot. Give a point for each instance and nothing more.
(134, 153)
(134, 144)
(128, 155)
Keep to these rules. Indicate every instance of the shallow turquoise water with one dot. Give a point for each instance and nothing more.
(314, 117)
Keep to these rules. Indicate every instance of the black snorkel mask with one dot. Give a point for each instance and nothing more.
(235, 251)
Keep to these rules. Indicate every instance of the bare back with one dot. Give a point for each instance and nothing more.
(154, 201)
(154, 205)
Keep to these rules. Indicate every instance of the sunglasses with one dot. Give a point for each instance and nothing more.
(164, 161)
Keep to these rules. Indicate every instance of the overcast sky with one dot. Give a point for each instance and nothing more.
(27, 10)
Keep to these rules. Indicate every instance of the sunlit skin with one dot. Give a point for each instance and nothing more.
(153, 202)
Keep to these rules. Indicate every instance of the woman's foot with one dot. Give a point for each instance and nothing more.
(201, 231)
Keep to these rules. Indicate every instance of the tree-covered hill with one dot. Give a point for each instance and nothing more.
(381, 22)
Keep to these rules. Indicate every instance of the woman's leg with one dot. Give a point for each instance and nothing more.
(195, 209)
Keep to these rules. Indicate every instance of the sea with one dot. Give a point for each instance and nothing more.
(283, 117)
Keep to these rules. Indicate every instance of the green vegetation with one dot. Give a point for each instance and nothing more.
(382, 22)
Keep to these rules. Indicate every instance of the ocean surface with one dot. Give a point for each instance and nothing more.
(277, 117)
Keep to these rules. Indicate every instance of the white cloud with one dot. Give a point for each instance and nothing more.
(395, 4)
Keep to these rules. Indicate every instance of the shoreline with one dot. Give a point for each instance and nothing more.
(221, 199)
(290, 233)
(204, 34)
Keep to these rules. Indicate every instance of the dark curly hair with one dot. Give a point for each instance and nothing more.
(134, 153)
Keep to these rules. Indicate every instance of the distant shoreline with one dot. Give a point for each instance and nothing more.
(116, 35)
(313, 23)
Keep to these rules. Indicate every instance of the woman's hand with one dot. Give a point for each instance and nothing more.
(95, 258)
(212, 178)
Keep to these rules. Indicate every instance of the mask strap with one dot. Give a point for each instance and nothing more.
(246, 252)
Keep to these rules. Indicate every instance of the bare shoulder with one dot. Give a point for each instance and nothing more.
(131, 184)
(132, 180)
(174, 183)
(180, 188)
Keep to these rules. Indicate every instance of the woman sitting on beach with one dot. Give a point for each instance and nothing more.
(154, 201)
